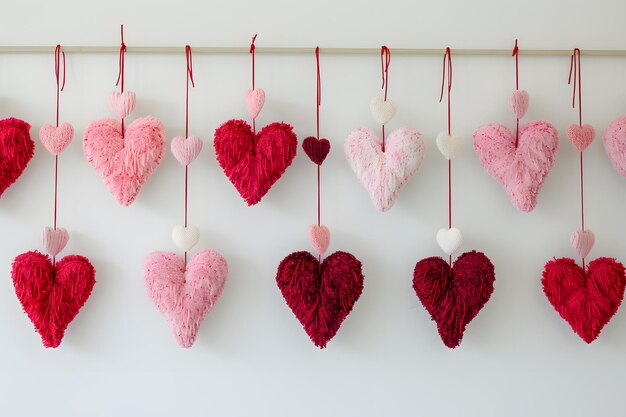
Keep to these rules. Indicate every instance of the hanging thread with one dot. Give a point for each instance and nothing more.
(252, 48)
(447, 63)
(189, 77)
(516, 55)
(385, 60)
(120, 74)
(317, 122)
(59, 56)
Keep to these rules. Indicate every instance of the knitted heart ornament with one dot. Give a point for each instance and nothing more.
(585, 299)
(454, 296)
(52, 295)
(614, 138)
(125, 162)
(321, 295)
(16, 150)
(520, 170)
(253, 162)
(384, 173)
(185, 295)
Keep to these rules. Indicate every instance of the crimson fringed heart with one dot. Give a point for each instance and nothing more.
(16, 150)
(316, 149)
(321, 295)
(454, 296)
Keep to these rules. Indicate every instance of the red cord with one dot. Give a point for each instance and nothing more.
(317, 120)
(120, 74)
(60, 86)
(189, 77)
(385, 60)
(516, 55)
(252, 48)
(447, 62)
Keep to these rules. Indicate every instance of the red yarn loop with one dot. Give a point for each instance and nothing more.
(516, 55)
(252, 48)
(574, 69)
(385, 60)
(120, 74)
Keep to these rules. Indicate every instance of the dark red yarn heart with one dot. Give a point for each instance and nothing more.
(320, 295)
(52, 295)
(316, 149)
(254, 162)
(454, 296)
(585, 299)
(16, 150)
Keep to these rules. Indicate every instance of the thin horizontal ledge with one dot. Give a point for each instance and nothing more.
(301, 50)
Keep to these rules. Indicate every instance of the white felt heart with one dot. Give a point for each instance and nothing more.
(582, 242)
(54, 240)
(448, 145)
(185, 238)
(382, 110)
(449, 240)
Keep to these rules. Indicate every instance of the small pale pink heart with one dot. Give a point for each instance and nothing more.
(518, 102)
(319, 237)
(255, 99)
(186, 150)
(580, 136)
(54, 241)
(56, 139)
(122, 104)
(582, 242)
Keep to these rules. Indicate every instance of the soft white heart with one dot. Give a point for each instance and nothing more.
(449, 240)
(54, 240)
(185, 238)
(382, 110)
(448, 145)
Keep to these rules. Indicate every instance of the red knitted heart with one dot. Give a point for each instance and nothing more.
(454, 296)
(316, 149)
(254, 162)
(16, 150)
(320, 295)
(52, 295)
(585, 299)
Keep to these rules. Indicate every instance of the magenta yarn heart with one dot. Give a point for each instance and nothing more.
(518, 102)
(521, 170)
(255, 99)
(319, 237)
(56, 139)
(122, 104)
(124, 162)
(54, 240)
(186, 150)
(614, 138)
(580, 136)
(185, 296)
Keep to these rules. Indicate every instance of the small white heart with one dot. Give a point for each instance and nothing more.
(382, 110)
(185, 238)
(449, 145)
(54, 240)
(449, 240)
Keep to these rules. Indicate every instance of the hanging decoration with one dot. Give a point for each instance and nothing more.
(453, 294)
(184, 292)
(384, 165)
(51, 292)
(321, 294)
(520, 162)
(585, 296)
(125, 157)
(253, 161)
(16, 150)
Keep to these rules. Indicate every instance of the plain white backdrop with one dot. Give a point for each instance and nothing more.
(518, 358)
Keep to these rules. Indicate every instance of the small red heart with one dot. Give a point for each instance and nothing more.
(320, 295)
(454, 296)
(52, 295)
(316, 149)
(585, 299)
(16, 150)
(254, 162)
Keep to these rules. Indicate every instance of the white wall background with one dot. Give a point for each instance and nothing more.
(118, 357)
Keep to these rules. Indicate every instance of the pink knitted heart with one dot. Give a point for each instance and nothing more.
(614, 138)
(124, 162)
(580, 136)
(520, 170)
(255, 99)
(56, 139)
(55, 240)
(582, 242)
(319, 237)
(186, 150)
(518, 102)
(122, 104)
(185, 296)
(384, 174)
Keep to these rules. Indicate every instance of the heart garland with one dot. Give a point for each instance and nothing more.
(16, 150)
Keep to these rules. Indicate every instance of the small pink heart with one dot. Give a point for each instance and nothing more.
(122, 104)
(319, 236)
(186, 150)
(255, 99)
(56, 139)
(580, 136)
(582, 242)
(518, 102)
(55, 240)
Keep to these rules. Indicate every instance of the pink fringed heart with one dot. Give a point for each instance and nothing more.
(16, 150)
(384, 174)
(56, 139)
(614, 138)
(122, 104)
(124, 162)
(255, 99)
(582, 242)
(520, 170)
(319, 237)
(185, 296)
(518, 102)
(186, 150)
(580, 136)
(54, 240)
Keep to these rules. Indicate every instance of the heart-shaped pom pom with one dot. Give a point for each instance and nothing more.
(56, 139)
(255, 99)
(319, 236)
(518, 102)
(186, 150)
(580, 136)
(185, 238)
(382, 110)
(582, 242)
(122, 104)
(448, 145)
(54, 241)
(449, 240)
(316, 149)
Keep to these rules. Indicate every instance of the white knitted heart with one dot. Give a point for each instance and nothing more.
(449, 240)
(185, 238)
(449, 145)
(382, 110)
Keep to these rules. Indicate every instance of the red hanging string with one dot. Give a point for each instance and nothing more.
(516, 55)
(385, 60)
(317, 120)
(447, 63)
(120, 74)
(189, 77)
(60, 82)
(252, 48)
